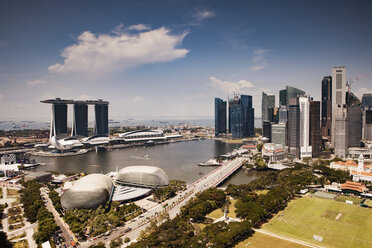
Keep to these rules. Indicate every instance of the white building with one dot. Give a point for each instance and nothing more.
(305, 148)
(275, 152)
(338, 94)
(360, 171)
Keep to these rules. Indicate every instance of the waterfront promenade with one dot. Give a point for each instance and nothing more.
(172, 207)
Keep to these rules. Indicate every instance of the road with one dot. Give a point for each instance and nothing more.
(66, 232)
(173, 206)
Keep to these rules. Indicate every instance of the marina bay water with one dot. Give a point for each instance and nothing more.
(178, 160)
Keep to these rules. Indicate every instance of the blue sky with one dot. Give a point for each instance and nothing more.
(171, 58)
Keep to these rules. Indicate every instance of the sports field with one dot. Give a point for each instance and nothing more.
(260, 240)
(340, 224)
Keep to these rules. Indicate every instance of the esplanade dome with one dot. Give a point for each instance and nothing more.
(145, 176)
(88, 192)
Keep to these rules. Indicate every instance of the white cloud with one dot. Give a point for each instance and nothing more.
(362, 91)
(259, 59)
(106, 53)
(84, 97)
(139, 27)
(241, 87)
(204, 14)
(1, 97)
(138, 99)
(36, 82)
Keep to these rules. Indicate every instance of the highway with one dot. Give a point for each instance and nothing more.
(173, 206)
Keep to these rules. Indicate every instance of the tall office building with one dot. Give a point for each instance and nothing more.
(273, 114)
(354, 116)
(327, 107)
(283, 114)
(292, 92)
(80, 121)
(293, 127)
(241, 116)
(219, 116)
(315, 129)
(338, 100)
(59, 119)
(266, 130)
(305, 147)
(101, 124)
(268, 101)
(340, 138)
(367, 117)
(278, 134)
(282, 98)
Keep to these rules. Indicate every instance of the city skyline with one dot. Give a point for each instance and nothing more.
(172, 59)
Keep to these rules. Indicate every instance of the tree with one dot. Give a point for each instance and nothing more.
(4, 242)
(259, 147)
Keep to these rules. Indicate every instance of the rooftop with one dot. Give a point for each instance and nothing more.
(65, 101)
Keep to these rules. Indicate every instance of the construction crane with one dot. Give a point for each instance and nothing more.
(350, 82)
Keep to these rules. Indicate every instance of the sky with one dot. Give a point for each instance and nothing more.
(171, 58)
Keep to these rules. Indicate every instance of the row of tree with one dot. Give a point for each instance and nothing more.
(92, 222)
(164, 193)
(34, 210)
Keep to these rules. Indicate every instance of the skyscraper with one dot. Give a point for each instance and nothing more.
(101, 125)
(241, 116)
(293, 127)
(59, 119)
(266, 130)
(282, 98)
(315, 133)
(278, 133)
(292, 92)
(305, 148)
(80, 123)
(327, 107)
(219, 116)
(268, 101)
(367, 117)
(283, 114)
(273, 114)
(340, 138)
(338, 99)
(354, 116)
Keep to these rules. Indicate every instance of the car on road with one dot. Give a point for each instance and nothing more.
(128, 229)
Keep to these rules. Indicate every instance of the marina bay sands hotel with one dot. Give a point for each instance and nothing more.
(58, 123)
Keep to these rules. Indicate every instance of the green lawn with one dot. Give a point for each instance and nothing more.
(218, 213)
(260, 240)
(261, 192)
(340, 224)
(343, 198)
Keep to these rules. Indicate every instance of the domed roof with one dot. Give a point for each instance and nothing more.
(88, 192)
(148, 176)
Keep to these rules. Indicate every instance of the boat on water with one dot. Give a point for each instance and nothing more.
(210, 162)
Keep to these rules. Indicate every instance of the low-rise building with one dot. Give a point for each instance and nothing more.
(275, 152)
(353, 188)
(359, 171)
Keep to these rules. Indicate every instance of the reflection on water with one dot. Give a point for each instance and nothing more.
(178, 160)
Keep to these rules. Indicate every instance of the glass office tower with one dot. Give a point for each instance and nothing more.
(241, 116)
(219, 116)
